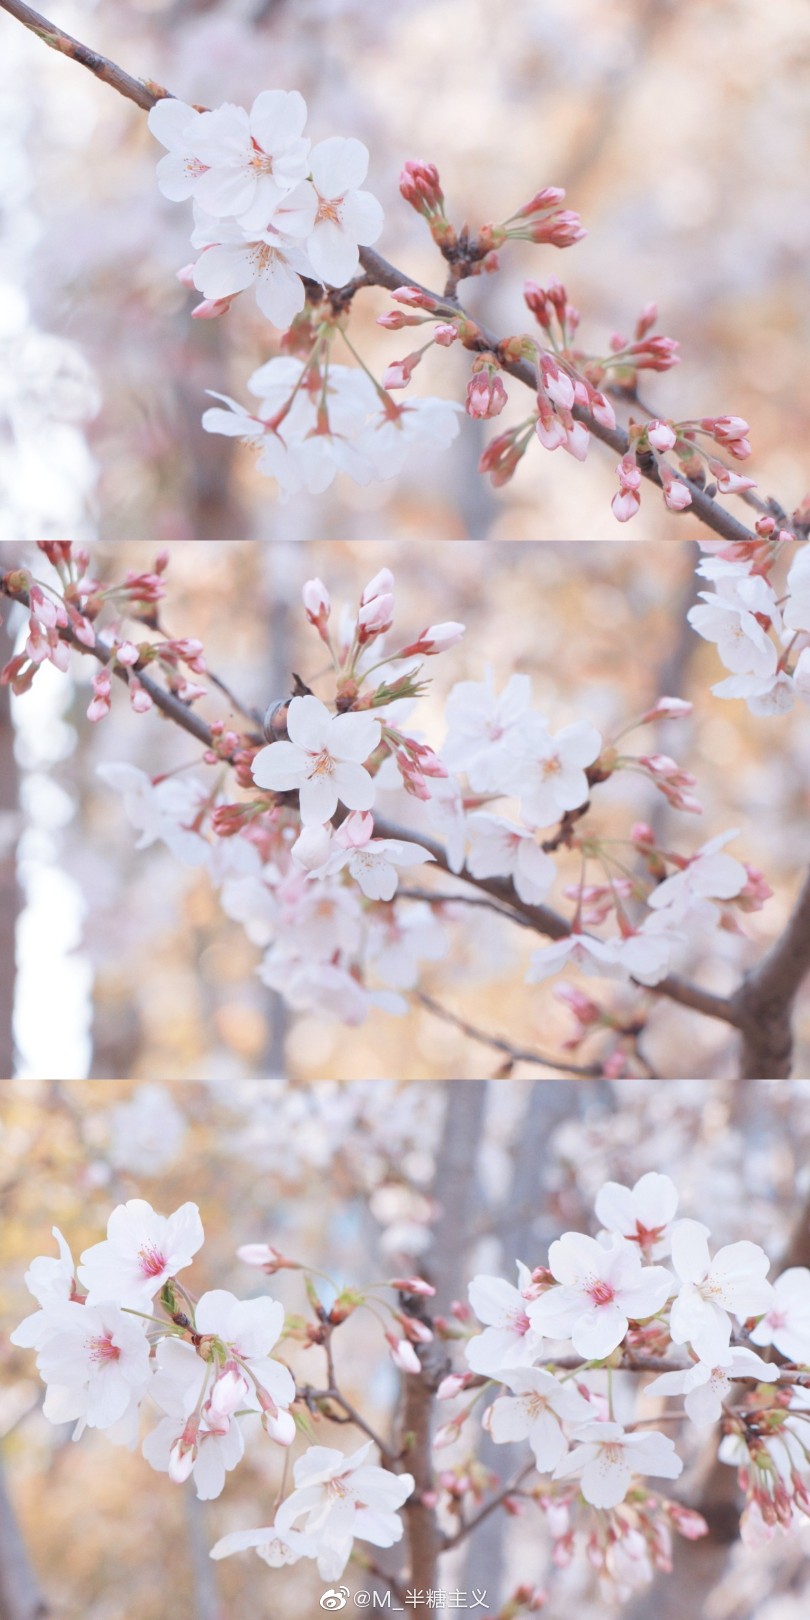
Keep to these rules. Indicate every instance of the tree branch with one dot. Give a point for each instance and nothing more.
(763, 1003)
(380, 273)
(515, 1054)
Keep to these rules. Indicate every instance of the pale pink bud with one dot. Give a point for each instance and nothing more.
(182, 1458)
(186, 276)
(436, 639)
(210, 308)
(375, 616)
(451, 1386)
(486, 396)
(403, 1355)
(356, 831)
(139, 698)
(444, 334)
(126, 653)
(661, 435)
(446, 1435)
(417, 1332)
(311, 850)
(728, 482)
(667, 708)
(625, 505)
(601, 410)
(266, 1258)
(412, 1285)
(414, 298)
(229, 1393)
(381, 585)
(317, 605)
(280, 1426)
(676, 495)
(100, 702)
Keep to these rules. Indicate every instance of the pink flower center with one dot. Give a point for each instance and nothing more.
(601, 1292)
(102, 1348)
(150, 1261)
(518, 1321)
(329, 208)
(321, 764)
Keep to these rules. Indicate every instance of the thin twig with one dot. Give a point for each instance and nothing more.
(516, 1054)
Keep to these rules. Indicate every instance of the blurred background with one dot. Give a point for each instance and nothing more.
(128, 952)
(679, 128)
(363, 1181)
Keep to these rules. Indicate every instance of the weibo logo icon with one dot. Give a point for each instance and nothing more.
(335, 1598)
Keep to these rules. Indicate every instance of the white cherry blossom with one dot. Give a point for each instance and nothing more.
(275, 1548)
(585, 951)
(334, 214)
(608, 1458)
(786, 1323)
(538, 1405)
(52, 1282)
(271, 261)
(499, 848)
(479, 721)
(733, 1283)
(172, 123)
(709, 875)
(322, 759)
(249, 1329)
(508, 1339)
(797, 610)
(341, 1499)
(164, 811)
(642, 1214)
(253, 160)
(141, 1252)
(96, 1364)
(401, 938)
(602, 1289)
(548, 771)
(373, 862)
(706, 1388)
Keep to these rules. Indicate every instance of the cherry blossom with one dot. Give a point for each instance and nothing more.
(601, 1289)
(271, 261)
(252, 160)
(164, 810)
(642, 1214)
(95, 1363)
(216, 1448)
(323, 759)
(509, 1338)
(549, 771)
(709, 874)
(373, 862)
(533, 1413)
(249, 1329)
(705, 1388)
(172, 123)
(52, 1282)
(479, 723)
(786, 1323)
(141, 1252)
(339, 216)
(275, 1548)
(500, 849)
(342, 1498)
(589, 954)
(712, 1290)
(608, 1457)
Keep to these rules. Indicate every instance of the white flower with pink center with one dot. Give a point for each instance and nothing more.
(508, 1339)
(642, 1214)
(535, 1411)
(602, 1289)
(733, 1283)
(252, 160)
(479, 721)
(323, 760)
(165, 810)
(96, 1364)
(608, 1458)
(172, 123)
(585, 951)
(341, 1499)
(141, 1252)
(331, 210)
(710, 875)
(706, 1388)
(51, 1282)
(499, 848)
(373, 862)
(272, 1547)
(270, 261)
(548, 772)
(786, 1323)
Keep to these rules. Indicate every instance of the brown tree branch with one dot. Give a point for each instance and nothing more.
(379, 273)
(514, 1054)
(763, 1003)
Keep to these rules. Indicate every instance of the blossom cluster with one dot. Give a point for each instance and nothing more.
(287, 219)
(305, 855)
(567, 1352)
(207, 1366)
(761, 630)
(276, 214)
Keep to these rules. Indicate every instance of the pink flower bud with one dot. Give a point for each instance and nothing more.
(317, 605)
(451, 1386)
(266, 1258)
(101, 702)
(210, 308)
(312, 848)
(444, 333)
(661, 435)
(182, 1458)
(419, 184)
(403, 1355)
(667, 708)
(436, 639)
(280, 1426)
(186, 276)
(381, 585)
(229, 1393)
(399, 373)
(486, 396)
(139, 698)
(412, 1285)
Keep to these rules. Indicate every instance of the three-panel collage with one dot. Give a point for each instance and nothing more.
(404, 809)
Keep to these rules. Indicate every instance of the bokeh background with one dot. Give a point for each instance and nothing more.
(679, 128)
(128, 953)
(362, 1181)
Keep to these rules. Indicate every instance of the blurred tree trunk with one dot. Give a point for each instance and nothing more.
(10, 898)
(20, 1597)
